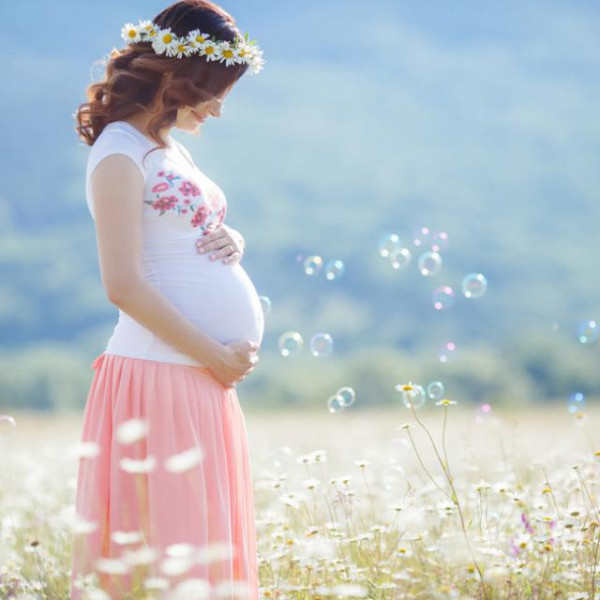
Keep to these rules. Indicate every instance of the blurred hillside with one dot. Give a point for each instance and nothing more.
(476, 120)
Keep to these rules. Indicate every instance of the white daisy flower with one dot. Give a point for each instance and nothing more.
(126, 537)
(145, 555)
(130, 33)
(132, 430)
(183, 48)
(227, 54)
(197, 39)
(138, 466)
(211, 51)
(147, 29)
(184, 461)
(165, 42)
(113, 566)
(85, 450)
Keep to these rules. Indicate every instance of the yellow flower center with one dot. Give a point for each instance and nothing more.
(167, 38)
(200, 39)
(132, 33)
(407, 388)
(242, 53)
(209, 49)
(227, 53)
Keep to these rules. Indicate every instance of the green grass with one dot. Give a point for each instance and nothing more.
(439, 502)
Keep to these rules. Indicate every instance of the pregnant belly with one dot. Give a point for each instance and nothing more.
(220, 299)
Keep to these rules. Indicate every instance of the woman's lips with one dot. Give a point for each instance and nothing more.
(198, 117)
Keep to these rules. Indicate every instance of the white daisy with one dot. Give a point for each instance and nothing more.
(130, 465)
(147, 29)
(184, 461)
(130, 33)
(183, 48)
(227, 54)
(131, 431)
(210, 50)
(165, 41)
(197, 39)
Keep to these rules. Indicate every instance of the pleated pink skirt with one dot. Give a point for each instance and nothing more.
(168, 498)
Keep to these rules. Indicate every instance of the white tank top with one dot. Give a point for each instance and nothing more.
(180, 203)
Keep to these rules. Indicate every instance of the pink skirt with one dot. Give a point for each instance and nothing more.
(170, 502)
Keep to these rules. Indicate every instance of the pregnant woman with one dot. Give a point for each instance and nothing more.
(164, 490)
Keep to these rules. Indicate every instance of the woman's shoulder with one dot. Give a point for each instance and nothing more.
(116, 138)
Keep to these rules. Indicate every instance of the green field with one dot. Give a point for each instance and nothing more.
(514, 513)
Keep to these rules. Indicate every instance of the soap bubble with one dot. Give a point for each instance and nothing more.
(446, 351)
(415, 396)
(587, 332)
(482, 413)
(474, 285)
(334, 403)
(439, 241)
(435, 390)
(312, 264)
(443, 297)
(421, 236)
(576, 402)
(7, 425)
(400, 258)
(347, 395)
(388, 243)
(265, 303)
(321, 344)
(343, 398)
(429, 263)
(290, 343)
(334, 269)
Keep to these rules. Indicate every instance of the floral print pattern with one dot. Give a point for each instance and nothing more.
(175, 194)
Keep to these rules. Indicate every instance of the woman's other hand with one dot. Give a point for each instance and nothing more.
(236, 361)
(224, 242)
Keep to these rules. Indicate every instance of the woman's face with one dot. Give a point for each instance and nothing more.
(191, 117)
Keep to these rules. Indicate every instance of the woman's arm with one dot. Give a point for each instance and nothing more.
(118, 188)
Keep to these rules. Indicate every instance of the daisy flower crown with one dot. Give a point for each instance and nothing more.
(164, 41)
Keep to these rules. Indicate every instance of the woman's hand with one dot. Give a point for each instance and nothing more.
(225, 242)
(236, 361)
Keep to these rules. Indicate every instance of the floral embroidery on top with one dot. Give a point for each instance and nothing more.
(206, 215)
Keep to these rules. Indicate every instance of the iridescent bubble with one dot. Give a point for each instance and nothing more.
(388, 243)
(482, 413)
(429, 263)
(443, 297)
(321, 344)
(446, 351)
(347, 395)
(7, 425)
(400, 258)
(587, 332)
(435, 390)
(334, 403)
(474, 285)
(439, 241)
(312, 264)
(576, 402)
(334, 269)
(290, 343)
(265, 303)
(421, 236)
(415, 395)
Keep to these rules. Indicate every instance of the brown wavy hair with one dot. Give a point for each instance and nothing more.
(137, 78)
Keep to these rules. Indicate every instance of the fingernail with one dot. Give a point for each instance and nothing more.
(201, 250)
(212, 256)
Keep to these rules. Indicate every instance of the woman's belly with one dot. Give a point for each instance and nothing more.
(220, 299)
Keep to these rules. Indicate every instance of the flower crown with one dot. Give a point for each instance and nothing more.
(242, 50)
